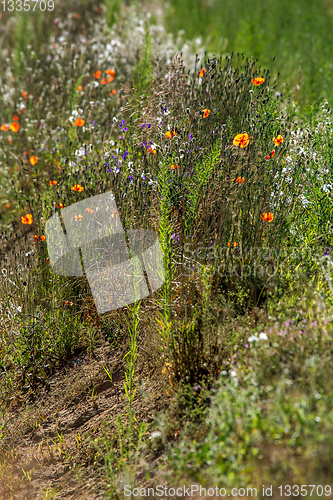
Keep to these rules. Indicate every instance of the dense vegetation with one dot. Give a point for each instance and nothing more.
(224, 374)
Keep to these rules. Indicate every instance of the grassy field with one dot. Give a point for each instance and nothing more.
(222, 377)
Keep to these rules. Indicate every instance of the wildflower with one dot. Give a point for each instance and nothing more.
(15, 118)
(89, 211)
(205, 112)
(4, 127)
(113, 92)
(14, 127)
(270, 155)
(97, 74)
(24, 94)
(77, 187)
(60, 205)
(80, 88)
(202, 72)
(258, 81)
(241, 140)
(33, 160)
(78, 217)
(103, 81)
(267, 217)
(239, 180)
(327, 251)
(169, 134)
(234, 244)
(9, 139)
(79, 122)
(152, 150)
(278, 140)
(68, 303)
(110, 79)
(173, 133)
(53, 183)
(174, 167)
(7, 205)
(110, 72)
(125, 154)
(77, 16)
(27, 219)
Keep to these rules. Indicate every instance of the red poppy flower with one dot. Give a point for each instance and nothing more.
(14, 127)
(79, 122)
(278, 140)
(258, 81)
(241, 140)
(270, 155)
(267, 217)
(77, 187)
(27, 219)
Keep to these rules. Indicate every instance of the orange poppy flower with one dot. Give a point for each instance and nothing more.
(258, 81)
(36, 238)
(174, 167)
(234, 244)
(241, 140)
(113, 92)
(33, 160)
(174, 133)
(15, 118)
(103, 81)
(202, 72)
(24, 94)
(152, 151)
(240, 180)
(110, 72)
(97, 74)
(60, 205)
(78, 217)
(110, 79)
(278, 140)
(27, 219)
(114, 214)
(77, 187)
(53, 183)
(267, 217)
(80, 88)
(42, 237)
(270, 155)
(89, 211)
(205, 112)
(7, 205)
(9, 140)
(14, 127)
(4, 127)
(169, 134)
(68, 303)
(79, 122)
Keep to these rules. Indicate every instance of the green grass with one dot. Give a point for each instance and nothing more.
(240, 409)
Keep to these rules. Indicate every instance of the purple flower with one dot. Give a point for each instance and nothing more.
(124, 129)
(125, 154)
(196, 387)
(327, 251)
(149, 125)
(94, 123)
(122, 138)
(143, 125)
(190, 138)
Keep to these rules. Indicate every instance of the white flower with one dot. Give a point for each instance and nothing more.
(263, 336)
(253, 338)
(19, 309)
(155, 434)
